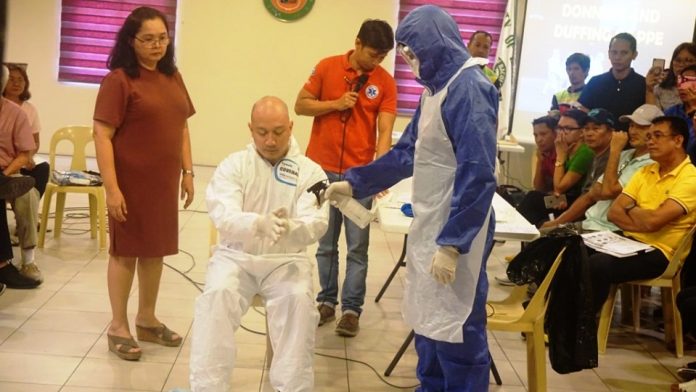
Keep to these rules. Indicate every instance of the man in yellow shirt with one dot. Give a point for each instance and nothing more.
(657, 207)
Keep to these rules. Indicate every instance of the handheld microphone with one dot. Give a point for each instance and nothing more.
(362, 79)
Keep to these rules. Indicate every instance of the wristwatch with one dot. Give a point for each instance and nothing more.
(186, 171)
(559, 164)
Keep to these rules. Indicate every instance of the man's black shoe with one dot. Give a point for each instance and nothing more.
(13, 187)
(14, 280)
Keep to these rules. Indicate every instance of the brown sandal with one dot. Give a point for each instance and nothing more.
(160, 335)
(122, 347)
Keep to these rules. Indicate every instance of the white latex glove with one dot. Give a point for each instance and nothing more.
(273, 225)
(444, 264)
(337, 191)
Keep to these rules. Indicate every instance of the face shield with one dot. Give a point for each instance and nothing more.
(410, 58)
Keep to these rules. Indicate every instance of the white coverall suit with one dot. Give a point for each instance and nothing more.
(244, 187)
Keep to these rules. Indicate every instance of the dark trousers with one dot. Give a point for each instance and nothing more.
(686, 302)
(533, 209)
(5, 243)
(40, 174)
(607, 270)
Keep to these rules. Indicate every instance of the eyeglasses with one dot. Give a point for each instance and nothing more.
(686, 79)
(406, 52)
(568, 129)
(656, 135)
(684, 60)
(151, 41)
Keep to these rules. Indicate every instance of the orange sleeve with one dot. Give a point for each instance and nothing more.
(388, 104)
(316, 78)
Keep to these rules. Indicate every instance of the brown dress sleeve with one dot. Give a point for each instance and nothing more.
(112, 99)
(180, 81)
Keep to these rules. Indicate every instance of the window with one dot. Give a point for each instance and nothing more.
(88, 31)
(471, 15)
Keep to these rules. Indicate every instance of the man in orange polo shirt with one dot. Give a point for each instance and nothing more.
(353, 101)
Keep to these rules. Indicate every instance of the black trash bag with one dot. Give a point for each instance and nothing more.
(569, 320)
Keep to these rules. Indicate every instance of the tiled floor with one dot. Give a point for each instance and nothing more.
(53, 338)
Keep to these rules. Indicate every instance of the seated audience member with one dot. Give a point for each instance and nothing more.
(597, 135)
(17, 91)
(16, 146)
(573, 160)
(620, 90)
(686, 86)
(258, 201)
(11, 188)
(544, 137)
(577, 68)
(480, 46)
(661, 84)
(620, 167)
(657, 207)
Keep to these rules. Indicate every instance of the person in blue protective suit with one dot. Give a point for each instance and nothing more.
(449, 148)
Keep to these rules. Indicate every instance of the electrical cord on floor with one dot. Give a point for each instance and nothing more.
(370, 367)
(199, 287)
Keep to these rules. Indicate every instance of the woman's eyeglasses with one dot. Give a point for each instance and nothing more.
(151, 42)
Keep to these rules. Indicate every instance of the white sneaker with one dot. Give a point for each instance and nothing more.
(689, 386)
(31, 271)
(504, 281)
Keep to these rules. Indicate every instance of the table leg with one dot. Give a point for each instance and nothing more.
(399, 264)
(494, 370)
(399, 354)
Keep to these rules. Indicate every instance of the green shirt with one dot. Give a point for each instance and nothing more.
(580, 163)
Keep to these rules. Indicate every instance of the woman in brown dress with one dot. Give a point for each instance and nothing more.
(143, 149)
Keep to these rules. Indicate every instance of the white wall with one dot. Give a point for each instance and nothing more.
(230, 53)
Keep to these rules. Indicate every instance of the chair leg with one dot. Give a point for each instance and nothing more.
(46, 208)
(101, 214)
(269, 347)
(672, 320)
(635, 302)
(605, 317)
(92, 215)
(536, 358)
(60, 207)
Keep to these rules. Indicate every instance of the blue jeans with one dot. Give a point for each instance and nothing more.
(358, 240)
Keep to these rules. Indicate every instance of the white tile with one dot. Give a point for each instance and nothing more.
(22, 387)
(117, 373)
(68, 321)
(38, 369)
(49, 342)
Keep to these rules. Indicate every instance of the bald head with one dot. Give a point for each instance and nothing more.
(271, 128)
(269, 106)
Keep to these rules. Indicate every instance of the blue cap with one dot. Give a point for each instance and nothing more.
(601, 117)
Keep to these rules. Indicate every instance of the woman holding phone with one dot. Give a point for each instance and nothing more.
(661, 84)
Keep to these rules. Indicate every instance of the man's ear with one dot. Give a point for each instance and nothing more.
(635, 54)
(250, 129)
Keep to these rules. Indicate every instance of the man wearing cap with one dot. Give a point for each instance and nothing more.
(620, 167)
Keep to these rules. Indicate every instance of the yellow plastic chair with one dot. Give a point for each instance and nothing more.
(257, 302)
(80, 137)
(670, 282)
(510, 315)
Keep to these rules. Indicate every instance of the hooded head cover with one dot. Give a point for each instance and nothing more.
(434, 37)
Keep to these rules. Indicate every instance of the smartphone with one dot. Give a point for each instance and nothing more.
(658, 63)
(554, 202)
